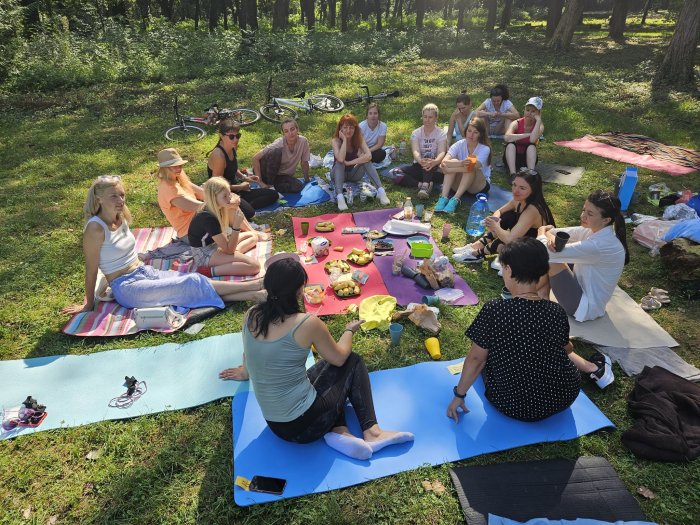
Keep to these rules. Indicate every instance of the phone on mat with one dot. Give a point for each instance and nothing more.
(268, 485)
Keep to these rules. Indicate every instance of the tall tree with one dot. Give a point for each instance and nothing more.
(460, 13)
(420, 13)
(331, 13)
(343, 15)
(213, 15)
(553, 16)
(677, 68)
(249, 13)
(647, 5)
(166, 8)
(491, 18)
(196, 15)
(447, 13)
(310, 14)
(573, 10)
(224, 12)
(618, 19)
(378, 11)
(506, 15)
(280, 15)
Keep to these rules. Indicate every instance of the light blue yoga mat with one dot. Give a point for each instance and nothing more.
(76, 389)
(310, 194)
(412, 399)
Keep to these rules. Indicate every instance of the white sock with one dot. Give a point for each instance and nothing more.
(382, 196)
(350, 446)
(399, 437)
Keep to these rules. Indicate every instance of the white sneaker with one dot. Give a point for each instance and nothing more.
(496, 265)
(463, 249)
(467, 257)
(342, 206)
(604, 375)
(382, 197)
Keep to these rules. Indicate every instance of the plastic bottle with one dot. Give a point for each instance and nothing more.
(477, 216)
(349, 198)
(402, 148)
(408, 209)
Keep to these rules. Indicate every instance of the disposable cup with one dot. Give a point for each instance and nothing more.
(395, 331)
(446, 230)
(304, 228)
(472, 162)
(560, 240)
(419, 210)
(430, 300)
(655, 195)
(427, 215)
(432, 345)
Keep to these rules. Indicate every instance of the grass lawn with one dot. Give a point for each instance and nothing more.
(177, 467)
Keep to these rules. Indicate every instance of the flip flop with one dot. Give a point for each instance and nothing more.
(649, 303)
(660, 295)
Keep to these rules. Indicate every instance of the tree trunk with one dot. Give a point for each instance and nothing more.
(213, 15)
(98, 8)
(553, 16)
(302, 11)
(279, 15)
(331, 13)
(223, 11)
(420, 13)
(647, 5)
(378, 11)
(196, 15)
(343, 15)
(618, 19)
(310, 14)
(397, 3)
(506, 15)
(679, 62)
(565, 29)
(249, 13)
(460, 14)
(239, 14)
(491, 19)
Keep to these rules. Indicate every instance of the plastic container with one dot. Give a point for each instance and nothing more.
(408, 209)
(402, 148)
(432, 345)
(477, 215)
(628, 181)
(449, 295)
(421, 249)
(314, 293)
(350, 197)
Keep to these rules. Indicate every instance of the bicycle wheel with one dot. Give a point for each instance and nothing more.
(243, 116)
(184, 134)
(277, 113)
(326, 103)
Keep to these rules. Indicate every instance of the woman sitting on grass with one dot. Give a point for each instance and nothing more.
(374, 132)
(109, 246)
(521, 346)
(497, 111)
(598, 251)
(276, 163)
(522, 216)
(299, 405)
(352, 160)
(457, 126)
(459, 175)
(215, 252)
(522, 138)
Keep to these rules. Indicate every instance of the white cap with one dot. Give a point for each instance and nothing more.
(535, 101)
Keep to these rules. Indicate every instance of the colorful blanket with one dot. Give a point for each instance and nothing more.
(642, 145)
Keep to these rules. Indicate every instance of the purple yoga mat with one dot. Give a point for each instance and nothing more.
(402, 288)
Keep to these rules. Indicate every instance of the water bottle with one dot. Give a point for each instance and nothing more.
(477, 215)
(349, 197)
(363, 195)
(402, 148)
(408, 209)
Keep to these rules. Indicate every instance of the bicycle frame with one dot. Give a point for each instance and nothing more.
(296, 102)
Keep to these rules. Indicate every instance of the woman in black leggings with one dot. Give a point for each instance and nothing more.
(299, 405)
(224, 163)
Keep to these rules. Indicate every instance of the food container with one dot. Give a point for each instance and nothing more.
(320, 246)
(421, 249)
(449, 295)
(314, 293)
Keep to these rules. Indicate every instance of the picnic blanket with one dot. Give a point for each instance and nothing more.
(633, 360)
(333, 304)
(642, 145)
(554, 173)
(587, 145)
(403, 289)
(329, 158)
(310, 194)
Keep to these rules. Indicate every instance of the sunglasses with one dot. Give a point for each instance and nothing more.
(232, 136)
(108, 178)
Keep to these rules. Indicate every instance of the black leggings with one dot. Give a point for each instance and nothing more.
(334, 385)
(509, 220)
(256, 199)
(378, 156)
(415, 175)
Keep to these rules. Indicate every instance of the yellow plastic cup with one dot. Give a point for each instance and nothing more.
(433, 346)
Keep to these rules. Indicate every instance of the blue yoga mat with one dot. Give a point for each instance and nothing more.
(310, 194)
(76, 389)
(412, 399)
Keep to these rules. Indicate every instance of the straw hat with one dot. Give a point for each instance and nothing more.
(169, 157)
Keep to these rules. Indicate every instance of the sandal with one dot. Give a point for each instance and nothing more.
(649, 303)
(660, 295)
(657, 291)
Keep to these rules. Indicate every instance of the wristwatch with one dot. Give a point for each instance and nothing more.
(454, 391)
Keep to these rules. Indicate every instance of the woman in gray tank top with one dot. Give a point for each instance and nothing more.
(302, 405)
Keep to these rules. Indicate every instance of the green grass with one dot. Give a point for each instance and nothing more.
(177, 467)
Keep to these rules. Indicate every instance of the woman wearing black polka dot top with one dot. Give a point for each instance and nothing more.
(521, 345)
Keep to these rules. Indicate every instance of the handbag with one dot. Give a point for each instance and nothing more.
(161, 317)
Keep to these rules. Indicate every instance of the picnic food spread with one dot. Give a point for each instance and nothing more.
(325, 226)
(337, 263)
(346, 289)
(360, 257)
(383, 245)
(375, 234)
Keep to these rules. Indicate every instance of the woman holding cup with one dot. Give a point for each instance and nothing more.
(598, 252)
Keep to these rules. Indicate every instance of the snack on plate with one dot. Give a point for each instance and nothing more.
(375, 234)
(314, 294)
(383, 245)
(337, 263)
(325, 226)
(346, 289)
(360, 257)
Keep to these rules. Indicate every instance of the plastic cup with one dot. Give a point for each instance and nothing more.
(472, 163)
(430, 300)
(395, 331)
(304, 228)
(655, 195)
(419, 210)
(427, 215)
(433, 346)
(560, 240)
(446, 231)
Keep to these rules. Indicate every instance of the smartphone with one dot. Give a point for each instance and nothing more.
(268, 485)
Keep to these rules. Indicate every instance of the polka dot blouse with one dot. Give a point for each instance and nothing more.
(528, 375)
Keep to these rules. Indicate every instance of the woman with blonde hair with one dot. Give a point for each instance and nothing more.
(109, 246)
(212, 247)
(352, 159)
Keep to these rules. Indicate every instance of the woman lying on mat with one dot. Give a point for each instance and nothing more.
(302, 405)
(179, 198)
(460, 175)
(522, 137)
(223, 162)
(521, 346)
(522, 216)
(109, 246)
(215, 252)
(352, 160)
(598, 252)
(275, 164)
(428, 145)
(497, 111)
(459, 118)
(374, 132)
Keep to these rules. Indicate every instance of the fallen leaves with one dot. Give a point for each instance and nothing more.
(93, 455)
(646, 492)
(436, 487)
(27, 512)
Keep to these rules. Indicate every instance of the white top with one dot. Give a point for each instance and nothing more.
(372, 136)
(598, 260)
(118, 249)
(428, 144)
(505, 106)
(459, 151)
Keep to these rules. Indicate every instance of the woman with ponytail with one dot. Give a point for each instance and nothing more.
(109, 247)
(299, 405)
(598, 251)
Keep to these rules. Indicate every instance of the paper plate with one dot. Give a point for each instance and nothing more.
(399, 233)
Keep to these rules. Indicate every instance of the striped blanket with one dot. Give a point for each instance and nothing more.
(110, 319)
(643, 145)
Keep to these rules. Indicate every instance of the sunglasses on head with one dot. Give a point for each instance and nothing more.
(232, 136)
(108, 178)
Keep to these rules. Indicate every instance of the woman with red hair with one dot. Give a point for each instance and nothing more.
(352, 159)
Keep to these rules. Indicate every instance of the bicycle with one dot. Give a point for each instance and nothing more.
(277, 109)
(370, 98)
(185, 133)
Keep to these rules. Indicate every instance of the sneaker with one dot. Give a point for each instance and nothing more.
(463, 249)
(381, 193)
(423, 193)
(495, 264)
(604, 375)
(467, 257)
(342, 206)
(452, 205)
(441, 203)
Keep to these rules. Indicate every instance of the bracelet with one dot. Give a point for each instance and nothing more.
(236, 229)
(454, 391)
(349, 330)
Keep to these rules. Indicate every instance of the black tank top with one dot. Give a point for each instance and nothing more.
(231, 168)
(532, 232)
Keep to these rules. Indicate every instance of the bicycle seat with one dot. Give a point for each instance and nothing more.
(300, 95)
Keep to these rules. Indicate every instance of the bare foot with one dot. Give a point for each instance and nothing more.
(263, 236)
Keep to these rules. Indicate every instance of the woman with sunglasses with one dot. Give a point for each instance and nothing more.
(109, 247)
(276, 163)
(223, 162)
(598, 252)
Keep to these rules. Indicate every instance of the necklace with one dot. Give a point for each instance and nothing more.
(532, 295)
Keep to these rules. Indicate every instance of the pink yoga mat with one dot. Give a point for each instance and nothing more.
(333, 304)
(405, 290)
(621, 155)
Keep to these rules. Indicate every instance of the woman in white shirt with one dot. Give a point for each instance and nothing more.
(374, 131)
(598, 251)
(497, 111)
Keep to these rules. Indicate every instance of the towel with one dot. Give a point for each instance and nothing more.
(410, 226)
(376, 311)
